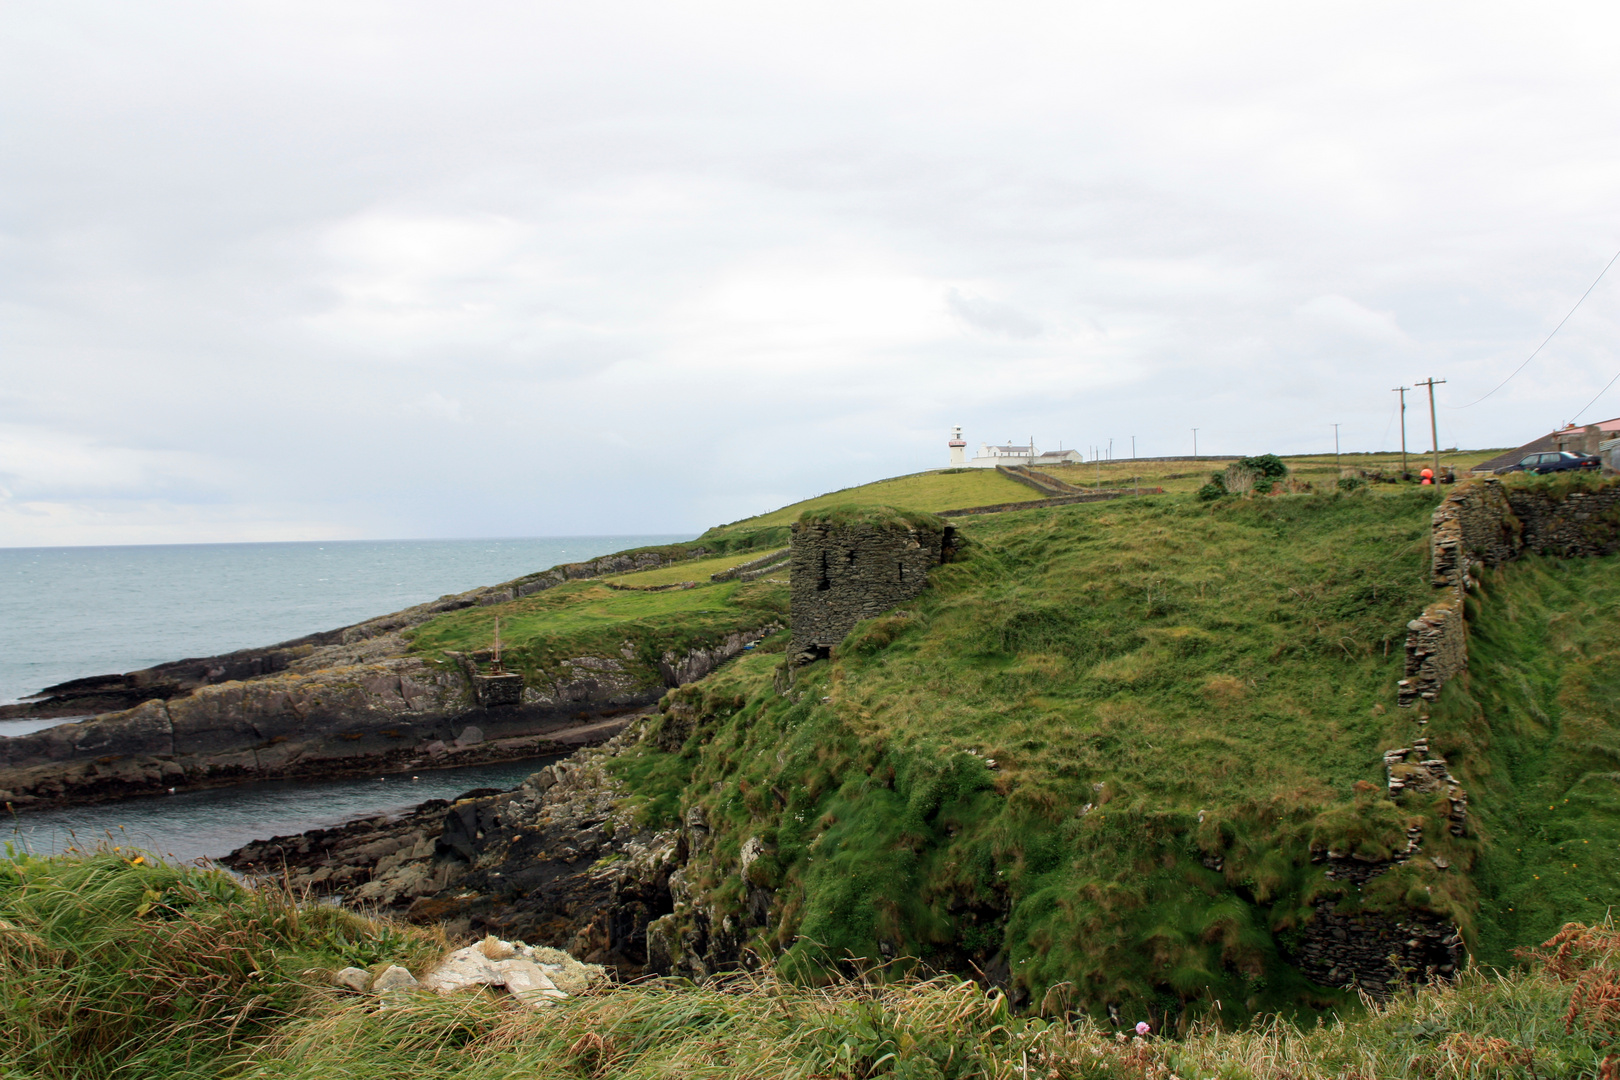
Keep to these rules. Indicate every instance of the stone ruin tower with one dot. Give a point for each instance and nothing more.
(851, 563)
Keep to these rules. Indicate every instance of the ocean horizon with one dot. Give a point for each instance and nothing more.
(72, 612)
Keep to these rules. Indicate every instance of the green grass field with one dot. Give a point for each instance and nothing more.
(954, 489)
(1319, 470)
(117, 969)
(696, 570)
(929, 492)
(114, 968)
(541, 631)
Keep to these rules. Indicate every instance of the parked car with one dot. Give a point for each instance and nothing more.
(1553, 462)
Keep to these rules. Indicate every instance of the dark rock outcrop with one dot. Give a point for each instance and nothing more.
(390, 714)
(558, 861)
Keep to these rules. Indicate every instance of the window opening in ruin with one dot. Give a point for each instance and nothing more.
(900, 566)
(823, 582)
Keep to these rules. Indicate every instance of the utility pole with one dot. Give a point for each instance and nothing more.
(1434, 430)
(1401, 390)
(1195, 442)
(1336, 446)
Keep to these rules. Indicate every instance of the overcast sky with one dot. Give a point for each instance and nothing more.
(325, 270)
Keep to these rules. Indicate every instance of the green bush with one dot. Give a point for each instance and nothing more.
(1269, 466)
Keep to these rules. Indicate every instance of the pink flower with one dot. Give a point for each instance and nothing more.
(1142, 1027)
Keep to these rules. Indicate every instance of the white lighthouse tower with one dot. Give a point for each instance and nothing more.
(958, 447)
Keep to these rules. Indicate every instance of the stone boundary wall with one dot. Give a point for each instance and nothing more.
(1485, 523)
(1037, 504)
(1583, 523)
(755, 575)
(1042, 482)
(1378, 953)
(1475, 524)
(764, 562)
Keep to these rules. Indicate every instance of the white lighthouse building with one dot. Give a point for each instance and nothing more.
(990, 456)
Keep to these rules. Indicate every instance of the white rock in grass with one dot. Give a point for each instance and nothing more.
(395, 978)
(352, 978)
(462, 969)
(530, 985)
(569, 974)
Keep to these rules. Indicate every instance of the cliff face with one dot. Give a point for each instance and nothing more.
(365, 698)
(559, 861)
(394, 713)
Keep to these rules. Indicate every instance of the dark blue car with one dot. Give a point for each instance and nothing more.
(1551, 461)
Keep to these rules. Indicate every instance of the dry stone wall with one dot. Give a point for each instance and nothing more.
(1582, 523)
(843, 572)
(1485, 523)
(1377, 952)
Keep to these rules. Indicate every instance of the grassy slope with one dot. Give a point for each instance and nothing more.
(1156, 659)
(111, 968)
(931, 492)
(586, 618)
(696, 570)
(1214, 679)
(1538, 718)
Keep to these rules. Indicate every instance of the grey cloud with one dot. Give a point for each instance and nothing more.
(409, 271)
(990, 316)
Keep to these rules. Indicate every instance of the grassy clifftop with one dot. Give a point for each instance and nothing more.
(1103, 755)
(1537, 722)
(1039, 764)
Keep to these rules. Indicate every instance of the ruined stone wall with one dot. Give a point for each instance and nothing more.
(1436, 651)
(1484, 523)
(843, 572)
(754, 568)
(1474, 525)
(1377, 952)
(1581, 523)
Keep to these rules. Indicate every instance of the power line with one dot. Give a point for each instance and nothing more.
(1549, 337)
(1593, 402)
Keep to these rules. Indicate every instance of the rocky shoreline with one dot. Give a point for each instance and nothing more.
(338, 712)
(555, 862)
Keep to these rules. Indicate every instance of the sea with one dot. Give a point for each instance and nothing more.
(71, 612)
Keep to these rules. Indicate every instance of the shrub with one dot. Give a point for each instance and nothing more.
(1215, 488)
(1269, 466)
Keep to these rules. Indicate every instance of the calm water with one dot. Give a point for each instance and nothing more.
(209, 824)
(71, 612)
